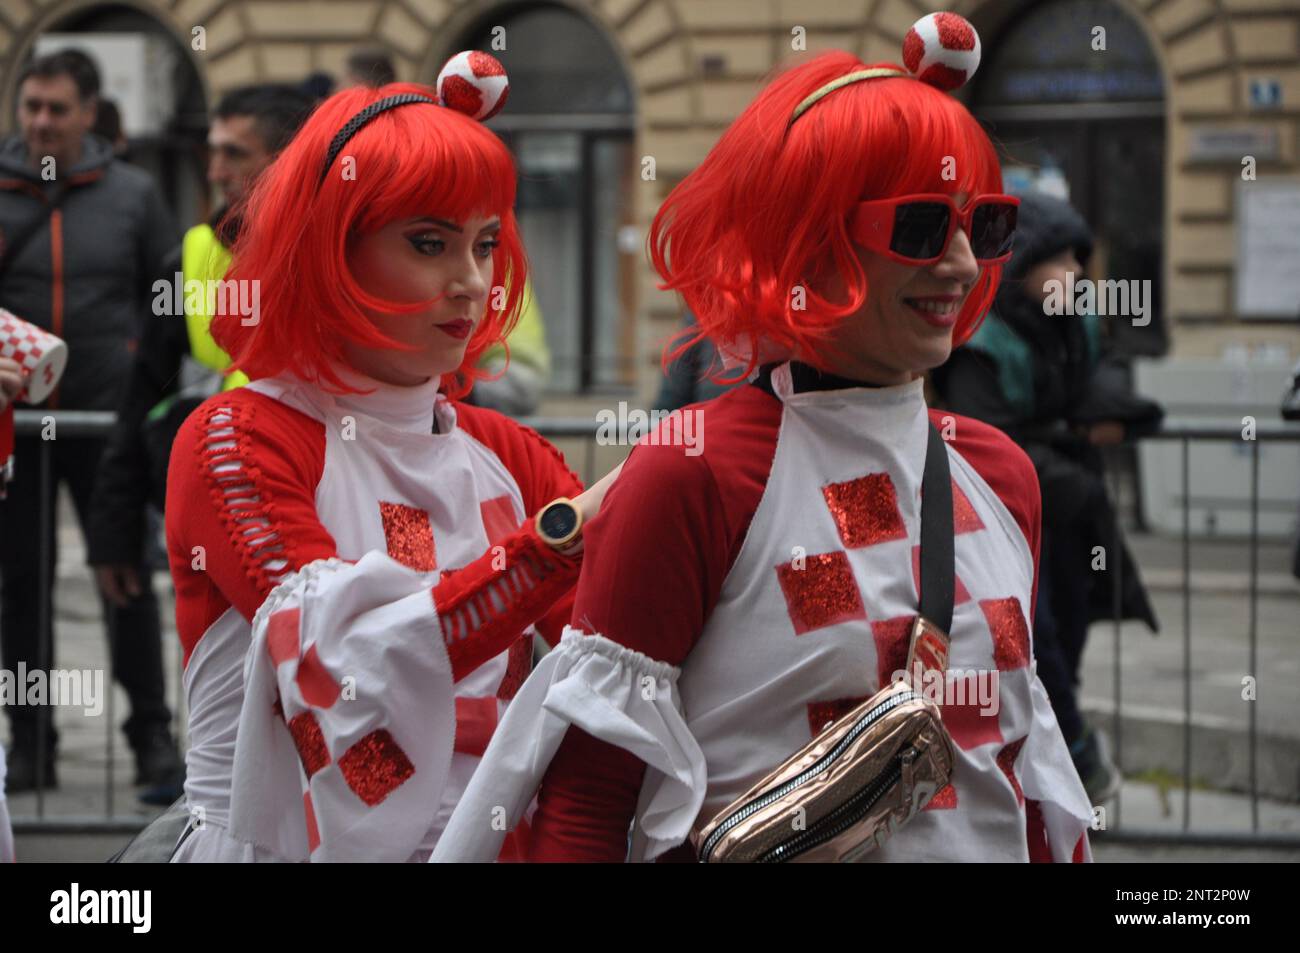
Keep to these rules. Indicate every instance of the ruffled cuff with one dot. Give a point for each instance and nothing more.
(346, 732)
(615, 695)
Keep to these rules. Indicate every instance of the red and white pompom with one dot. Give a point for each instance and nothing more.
(942, 49)
(475, 84)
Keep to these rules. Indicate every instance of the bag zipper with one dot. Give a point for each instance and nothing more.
(843, 817)
(750, 808)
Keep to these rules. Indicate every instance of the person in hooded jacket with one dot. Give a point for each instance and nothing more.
(1046, 381)
(82, 237)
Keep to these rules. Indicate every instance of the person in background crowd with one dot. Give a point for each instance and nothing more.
(317, 86)
(108, 126)
(368, 67)
(85, 235)
(249, 128)
(1044, 381)
(690, 375)
(514, 387)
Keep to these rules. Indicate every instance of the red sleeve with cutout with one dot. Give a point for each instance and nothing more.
(241, 509)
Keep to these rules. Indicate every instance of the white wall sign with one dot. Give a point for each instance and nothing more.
(1268, 248)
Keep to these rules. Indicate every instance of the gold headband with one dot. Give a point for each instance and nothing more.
(835, 84)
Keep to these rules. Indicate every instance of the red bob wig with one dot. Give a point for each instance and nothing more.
(410, 161)
(768, 209)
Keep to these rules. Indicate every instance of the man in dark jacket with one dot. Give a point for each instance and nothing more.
(1042, 379)
(84, 237)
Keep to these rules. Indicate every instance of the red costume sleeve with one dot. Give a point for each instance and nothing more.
(241, 508)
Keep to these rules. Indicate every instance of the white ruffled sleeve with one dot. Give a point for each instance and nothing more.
(346, 734)
(612, 693)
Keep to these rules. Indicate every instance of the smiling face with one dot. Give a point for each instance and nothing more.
(418, 259)
(906, 323)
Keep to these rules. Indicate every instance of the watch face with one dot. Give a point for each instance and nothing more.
(559, 520)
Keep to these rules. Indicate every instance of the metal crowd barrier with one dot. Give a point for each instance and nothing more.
(90, 424)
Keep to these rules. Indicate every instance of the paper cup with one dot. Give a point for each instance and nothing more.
(41, 355)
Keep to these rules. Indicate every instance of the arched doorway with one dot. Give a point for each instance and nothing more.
(1087, 122)
(570, 123)
(167, 120)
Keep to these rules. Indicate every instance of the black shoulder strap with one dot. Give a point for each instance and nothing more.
(937, 572)
(13, 246)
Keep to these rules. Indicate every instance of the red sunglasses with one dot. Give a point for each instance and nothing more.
(916, 229)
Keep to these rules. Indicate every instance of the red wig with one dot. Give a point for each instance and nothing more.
(410, 161)
(768, 208)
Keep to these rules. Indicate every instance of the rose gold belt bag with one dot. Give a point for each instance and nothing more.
(865, 775)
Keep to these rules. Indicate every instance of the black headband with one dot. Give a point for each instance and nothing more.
(355, 124)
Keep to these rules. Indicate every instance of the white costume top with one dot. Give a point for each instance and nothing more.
(810, 498)
(323, 716)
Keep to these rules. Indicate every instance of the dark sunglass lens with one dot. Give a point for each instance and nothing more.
(993, 228)
(919, 230)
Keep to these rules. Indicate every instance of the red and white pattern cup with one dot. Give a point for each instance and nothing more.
(41, 355)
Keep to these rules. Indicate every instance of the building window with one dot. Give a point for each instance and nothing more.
(570, 123)
(1086, 124)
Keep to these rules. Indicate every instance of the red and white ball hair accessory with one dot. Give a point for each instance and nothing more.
(941, 49)
(472, 83)
(475, 84)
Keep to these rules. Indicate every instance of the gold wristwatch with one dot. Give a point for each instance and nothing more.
(559, 524)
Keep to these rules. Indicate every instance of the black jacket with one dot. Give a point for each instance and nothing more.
(133, 468)
(1042, 380)
(87, 273)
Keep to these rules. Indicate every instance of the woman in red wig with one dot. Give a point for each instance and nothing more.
(356, 561)
(840, 239)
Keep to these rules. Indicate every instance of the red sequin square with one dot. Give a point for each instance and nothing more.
(964, 517)
(822, 593)
(865, 510)
(375, 766)
(315, 682)
(309, 741)
(945, 799)
(892, 637)
(409, 536)
(498, 518)
(820, 714)
(1007, 762)
(1009, 630)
